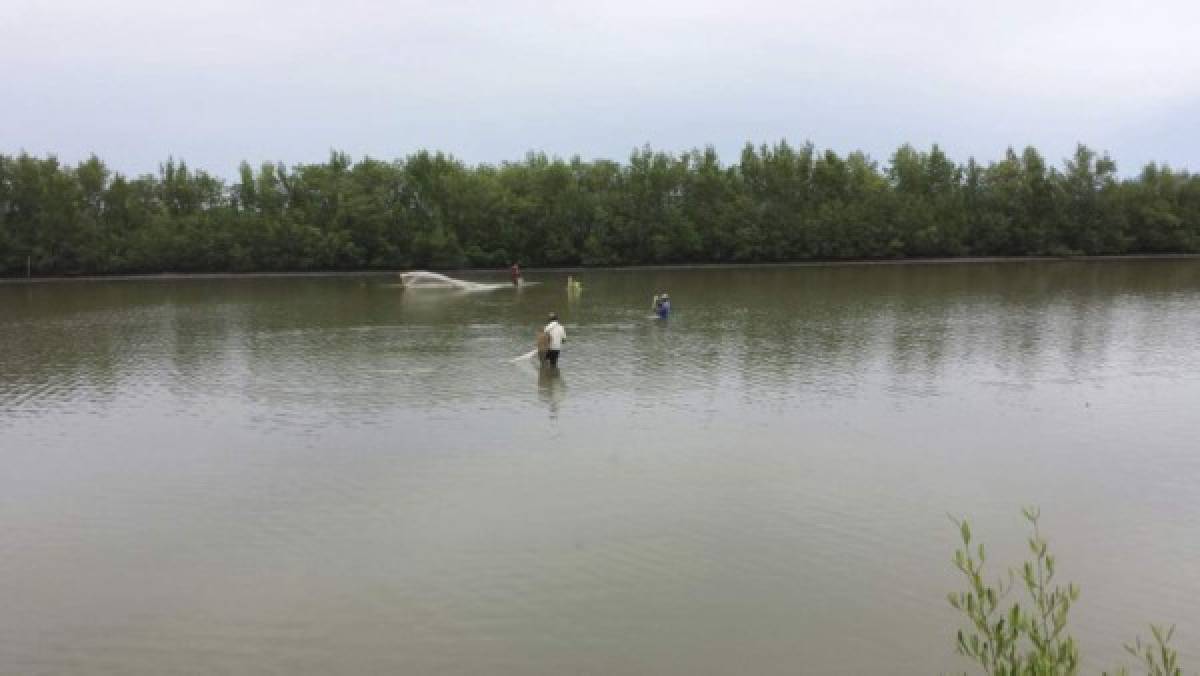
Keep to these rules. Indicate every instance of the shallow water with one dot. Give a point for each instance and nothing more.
(334, 474)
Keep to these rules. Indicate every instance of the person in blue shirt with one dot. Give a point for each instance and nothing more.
(663, 307)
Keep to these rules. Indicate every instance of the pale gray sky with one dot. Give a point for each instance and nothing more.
(216, 82)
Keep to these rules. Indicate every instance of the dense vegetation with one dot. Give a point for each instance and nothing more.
(778, 203)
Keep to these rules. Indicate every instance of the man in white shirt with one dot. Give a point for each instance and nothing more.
(557, 334)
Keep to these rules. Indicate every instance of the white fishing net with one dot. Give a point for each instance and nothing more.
(423, 279)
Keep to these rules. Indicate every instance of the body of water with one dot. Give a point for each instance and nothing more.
(338, 475)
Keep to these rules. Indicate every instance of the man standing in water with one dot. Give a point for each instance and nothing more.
(556, 335)
(516, 274)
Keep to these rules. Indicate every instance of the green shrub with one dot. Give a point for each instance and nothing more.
(1027, 636)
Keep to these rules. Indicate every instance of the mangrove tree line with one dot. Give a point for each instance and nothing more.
(777, 203)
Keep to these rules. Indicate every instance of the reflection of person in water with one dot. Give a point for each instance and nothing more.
(551, 389)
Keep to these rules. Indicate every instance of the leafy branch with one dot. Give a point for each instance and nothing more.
(1028, 635)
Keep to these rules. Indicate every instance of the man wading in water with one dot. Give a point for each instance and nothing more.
(552, 338)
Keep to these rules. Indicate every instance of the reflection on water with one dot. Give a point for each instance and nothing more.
(551, 388)
(319, 474)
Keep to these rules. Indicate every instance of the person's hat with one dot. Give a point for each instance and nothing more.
(665, 296)
(553, 315)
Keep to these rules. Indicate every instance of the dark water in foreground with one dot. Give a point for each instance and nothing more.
(335, 475)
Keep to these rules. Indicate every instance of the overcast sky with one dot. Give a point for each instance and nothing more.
(216, 82)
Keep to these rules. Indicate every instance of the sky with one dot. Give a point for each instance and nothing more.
(215, 82)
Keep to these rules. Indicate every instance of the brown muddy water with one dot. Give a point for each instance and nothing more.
(337, 475)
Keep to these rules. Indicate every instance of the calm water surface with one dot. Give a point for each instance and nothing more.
(337, 475)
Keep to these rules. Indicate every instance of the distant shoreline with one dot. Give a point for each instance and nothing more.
(964, 260)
